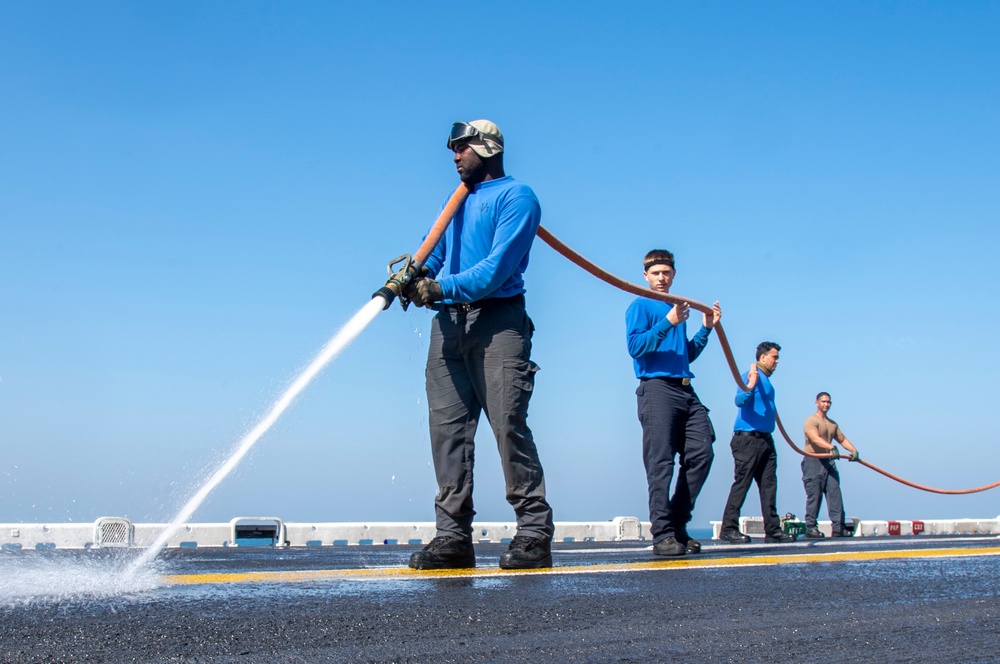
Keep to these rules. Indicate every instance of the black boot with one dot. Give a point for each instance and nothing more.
(527, 553)
(445, 553)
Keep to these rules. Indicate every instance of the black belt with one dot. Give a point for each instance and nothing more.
(753, 434)
(488, 303)
(672, 380)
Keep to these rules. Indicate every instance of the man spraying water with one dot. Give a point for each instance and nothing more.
(479, 361)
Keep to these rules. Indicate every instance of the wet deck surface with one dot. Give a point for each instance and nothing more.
(869, 600)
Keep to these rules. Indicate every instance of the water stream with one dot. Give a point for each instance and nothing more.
(333, 347)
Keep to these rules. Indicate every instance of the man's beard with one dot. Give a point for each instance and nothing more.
(474, 176)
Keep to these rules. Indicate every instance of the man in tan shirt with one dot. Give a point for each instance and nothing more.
(820, 476)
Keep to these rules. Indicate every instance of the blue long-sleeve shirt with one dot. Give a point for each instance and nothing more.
(484, 252)
(757, 410)
(658, 348)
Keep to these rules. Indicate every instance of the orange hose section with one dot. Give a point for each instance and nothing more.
(642, 291)
(437, 230)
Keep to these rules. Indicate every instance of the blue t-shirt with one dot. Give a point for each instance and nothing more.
(757, 411)
(484, 252)
(658, 348)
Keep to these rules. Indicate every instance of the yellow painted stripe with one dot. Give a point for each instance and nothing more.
(676, 563)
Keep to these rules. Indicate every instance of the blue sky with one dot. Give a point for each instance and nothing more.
(194, 197)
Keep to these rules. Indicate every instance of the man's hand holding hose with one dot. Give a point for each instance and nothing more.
(424, 292)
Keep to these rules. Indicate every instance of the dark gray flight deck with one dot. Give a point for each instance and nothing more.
(936, 600)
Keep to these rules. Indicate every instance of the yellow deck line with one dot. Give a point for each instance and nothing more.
(638, 566)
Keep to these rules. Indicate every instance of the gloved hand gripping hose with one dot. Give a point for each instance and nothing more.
(399, 279)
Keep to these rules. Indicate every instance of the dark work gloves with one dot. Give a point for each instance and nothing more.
(423, 292)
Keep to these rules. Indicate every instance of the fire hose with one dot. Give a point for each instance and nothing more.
(621, 284)
(411, 266)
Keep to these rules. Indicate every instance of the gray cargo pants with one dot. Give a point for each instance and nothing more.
(820, 476)
(479, 362)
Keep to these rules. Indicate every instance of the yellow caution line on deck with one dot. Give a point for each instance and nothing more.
(639, 566)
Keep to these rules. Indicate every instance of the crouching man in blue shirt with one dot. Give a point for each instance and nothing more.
(479, 360)
(674, 422)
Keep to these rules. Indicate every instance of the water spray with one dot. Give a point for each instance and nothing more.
(333, 347)
(411, 267)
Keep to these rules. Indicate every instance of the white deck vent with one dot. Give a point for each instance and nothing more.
(113, 531)
(752, 526)
(258, 531)
(628, 528)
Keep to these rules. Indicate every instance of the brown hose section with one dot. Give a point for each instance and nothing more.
(642, 291)
(437, 230)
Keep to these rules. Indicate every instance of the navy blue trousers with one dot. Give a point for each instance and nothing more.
(754, 460)
(674, 424)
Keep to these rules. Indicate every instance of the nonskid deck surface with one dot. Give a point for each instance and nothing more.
(869, 599)
(390, 563)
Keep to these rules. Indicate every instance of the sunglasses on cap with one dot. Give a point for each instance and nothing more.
(461, 131)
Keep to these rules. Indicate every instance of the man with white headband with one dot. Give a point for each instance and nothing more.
(479, 361)
(675, 424)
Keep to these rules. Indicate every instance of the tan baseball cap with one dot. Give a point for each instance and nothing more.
(486, 141)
